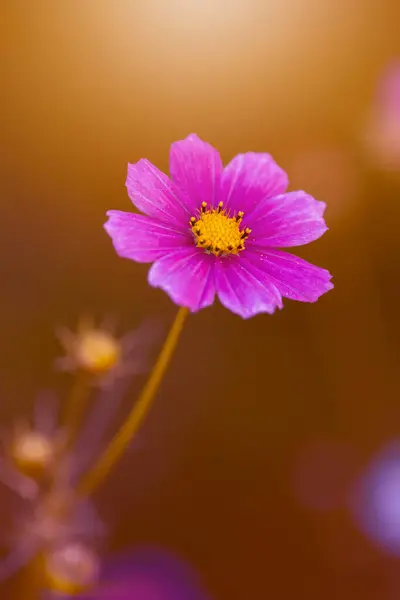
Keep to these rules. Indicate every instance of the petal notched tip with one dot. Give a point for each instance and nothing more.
(113, 217)
(138, 168)
(154, 194)
(192, 137)
(195, 167)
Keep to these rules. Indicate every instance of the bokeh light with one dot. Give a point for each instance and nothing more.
(382, 128)
(375, 499)
(149, 574)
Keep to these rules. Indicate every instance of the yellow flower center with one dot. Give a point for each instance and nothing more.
(217, 232)
(97, 351)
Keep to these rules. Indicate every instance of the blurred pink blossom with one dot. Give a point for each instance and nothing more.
(148, 574)
(382, 128)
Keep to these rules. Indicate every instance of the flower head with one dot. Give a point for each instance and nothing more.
(34, 447)
(97, 352)
(58, 525)
(213, 231)
(71, 568)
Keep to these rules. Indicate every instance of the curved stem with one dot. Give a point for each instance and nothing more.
(76, 406)
(140, 409)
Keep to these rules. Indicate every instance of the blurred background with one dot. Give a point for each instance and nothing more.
(269, 463)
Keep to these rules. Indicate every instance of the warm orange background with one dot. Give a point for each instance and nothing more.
(88, 86)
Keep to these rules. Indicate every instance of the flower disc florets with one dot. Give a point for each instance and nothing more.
(217, 232)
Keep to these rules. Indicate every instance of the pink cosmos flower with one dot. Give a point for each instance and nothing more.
(211, 230)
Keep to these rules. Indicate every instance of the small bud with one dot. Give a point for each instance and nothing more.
(32, 450)
(72, 568)
(97, 351)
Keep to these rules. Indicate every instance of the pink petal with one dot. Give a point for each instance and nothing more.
(244, 289)
(196, 168)
(293, 277)
(291, 219)
(187, 276)
(141, 238)
(155, 195)
(248, 179)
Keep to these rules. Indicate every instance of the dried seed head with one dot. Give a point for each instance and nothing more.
(71, 568)
(32, 450)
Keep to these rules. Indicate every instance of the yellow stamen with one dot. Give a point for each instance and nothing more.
(140, 409)
(217, 232)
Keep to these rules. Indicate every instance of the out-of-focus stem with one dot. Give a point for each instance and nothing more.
(76, 404)
(140, 409)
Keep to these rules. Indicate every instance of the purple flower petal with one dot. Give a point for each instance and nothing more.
(248, 179)
(291, 219)
(244, 289)
(293, 277)
(141, 238)
(187, 276)
(155, 195)
(148, 574)
(196, 168)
